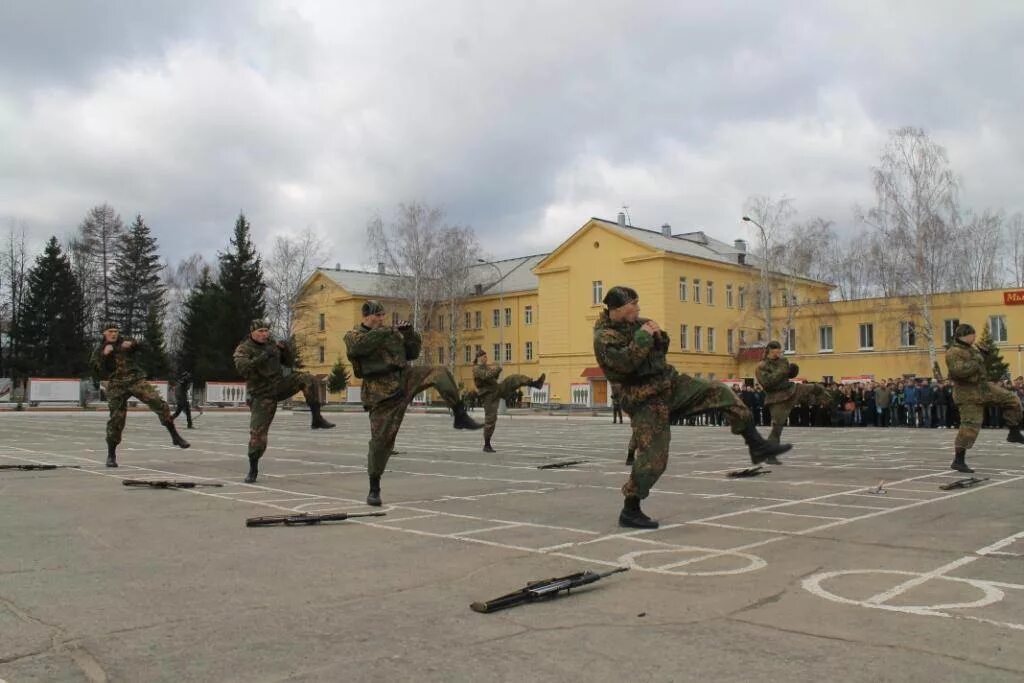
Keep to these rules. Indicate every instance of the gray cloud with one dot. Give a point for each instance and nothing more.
(522, 119)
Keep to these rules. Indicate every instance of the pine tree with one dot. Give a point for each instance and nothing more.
(51, 323)
(136, 287)
(241, 279)
(204, 349)
(995, 367)
(154, 350)
(338, 379)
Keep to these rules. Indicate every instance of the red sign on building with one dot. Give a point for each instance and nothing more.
(1015, 298)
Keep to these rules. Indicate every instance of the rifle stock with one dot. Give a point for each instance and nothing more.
(542, 590)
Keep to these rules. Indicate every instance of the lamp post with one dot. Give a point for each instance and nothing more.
(501, 308)
(764, 296)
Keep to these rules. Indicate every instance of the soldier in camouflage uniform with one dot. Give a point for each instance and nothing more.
(631, 351)
(182, 384)
(774, 374)
(266, 364)
(972, 392)
(114, 361)
(491, 391)
(380, 355)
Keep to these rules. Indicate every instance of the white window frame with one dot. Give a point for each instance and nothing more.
(508, 317)
(1000, 327)
(741, 297)
(711, 340)
(528, 315)
(597, 290)
(949, 326)
(529, 350)
(823, 331)
(870, 328)
(788, 340)
(711, 293)
(696, 291)
(696, 337)
(684, 337)
(508, 352)
(728, 296)
(682, 289)
(908, 334)
(730, 342)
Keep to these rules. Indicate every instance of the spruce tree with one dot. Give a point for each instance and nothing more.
(996, 369)
(136, 288)
(338, 379)
(153, 353)
(241, 279)
(204, 350)
(51, 323)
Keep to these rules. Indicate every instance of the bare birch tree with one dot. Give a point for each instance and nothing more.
(179, 282)
(13, 275)
(292, 260)
(459, 252)
(978, 254)
(93, 251)
(916, 218)
(1015, 236)
(769, 216)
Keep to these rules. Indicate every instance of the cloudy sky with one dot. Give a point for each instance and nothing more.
(520, 118)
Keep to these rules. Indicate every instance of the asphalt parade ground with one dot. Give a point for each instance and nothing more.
(803, 574)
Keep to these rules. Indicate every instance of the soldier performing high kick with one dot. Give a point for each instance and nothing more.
(631, 351)
(114, 361)
(972, 392)
(266, 364)
(774, 374)
(380, 356)
(491, 391)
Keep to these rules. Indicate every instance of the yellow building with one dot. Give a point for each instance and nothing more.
(536, 314)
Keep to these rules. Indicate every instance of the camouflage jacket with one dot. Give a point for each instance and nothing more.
(773, 375)
(966, 364)
(485, 377)
(633, 360)
(378, 358)
(262, 365)
(121, 366)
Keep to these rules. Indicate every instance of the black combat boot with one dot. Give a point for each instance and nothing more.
(539, 382)
(111, 454)
(630, 456)
(760, 449)
(373, 497)
(960, 461)
(463, 420)
(176, 438)
(487, 445)
(1015, 436)
(633, 516)
(254, 469)
(318, 421)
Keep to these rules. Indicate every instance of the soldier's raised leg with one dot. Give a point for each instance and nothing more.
(506, 389)
(311, 388)
(695, 395)
(148, 394)
(117, 402)
(262, 411)
(420, 378)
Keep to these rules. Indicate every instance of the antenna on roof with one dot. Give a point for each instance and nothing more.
(625, 210)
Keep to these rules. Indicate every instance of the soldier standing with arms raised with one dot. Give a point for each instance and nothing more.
(632, 352)
(972, 392)
(266, 364)
(380, 355)
(775, 374)
(491, 391)
(114, 361)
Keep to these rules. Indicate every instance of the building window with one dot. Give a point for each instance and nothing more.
(742, 297)
(997, 327)
(478, 319)
(789, 340)
(476, 349)
(440, 355)
(321, 354)
(908, 337)
(825, 338)
(508, 317)
(323, 322)
(684, 337)
(469, 320)
(728, 296)
(949, 327)
(469, 354)
(529, 350)
(696, 338)
(427, 357)
(711, 340)
(711, 293)
(440, 322)
(743, 338)
(528, 315)
(394, 318)
(711, 377)
(730, 346)
(496, 318)
(497, 353)
(696, 291)
(867, 336)
(508, 353)
(598, 291)
(682, 289)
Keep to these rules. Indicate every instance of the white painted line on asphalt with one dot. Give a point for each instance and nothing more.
(793, 514)
(888, 595)
(1009, 540)
(458, 534)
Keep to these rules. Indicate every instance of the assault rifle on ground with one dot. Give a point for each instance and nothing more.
(556, 465)
(749, 472)
(303, 518)
(543, 590)
(161, 484)
(36, 466)
(963, 483)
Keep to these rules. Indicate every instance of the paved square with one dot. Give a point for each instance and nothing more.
(803, 574)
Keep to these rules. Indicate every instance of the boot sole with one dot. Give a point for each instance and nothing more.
(322, 427)
(635, 525)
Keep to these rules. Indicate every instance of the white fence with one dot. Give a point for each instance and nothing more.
(52, 389)
(225, 392)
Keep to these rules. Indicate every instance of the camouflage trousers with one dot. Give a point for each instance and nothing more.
(117, 401)
(492, 399)
(386, 416)
(804, 394)
(972, 401)
(652, 434)
(264, 406)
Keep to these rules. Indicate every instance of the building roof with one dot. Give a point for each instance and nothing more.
(361, 282)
